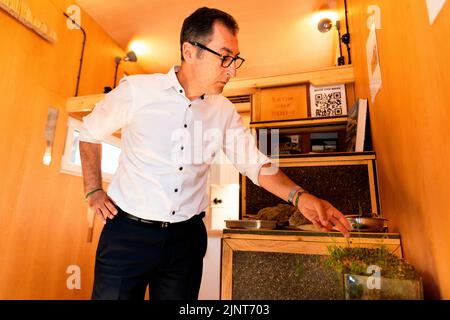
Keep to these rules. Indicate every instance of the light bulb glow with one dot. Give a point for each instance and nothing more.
(139, 47)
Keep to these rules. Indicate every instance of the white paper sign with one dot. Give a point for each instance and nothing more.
(434, 8)
(328, 101)
(373, 63)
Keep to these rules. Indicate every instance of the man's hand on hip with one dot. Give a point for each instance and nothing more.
(102, 205)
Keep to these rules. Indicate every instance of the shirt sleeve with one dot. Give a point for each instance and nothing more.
(108, 115)
(240, 148)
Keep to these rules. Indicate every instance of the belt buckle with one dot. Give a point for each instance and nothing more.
(165, 225)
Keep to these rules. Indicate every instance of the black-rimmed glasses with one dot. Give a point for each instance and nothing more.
(226, 60)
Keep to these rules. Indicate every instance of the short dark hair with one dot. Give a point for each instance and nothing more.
(199, 25)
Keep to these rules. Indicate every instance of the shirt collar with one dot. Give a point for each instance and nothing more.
(171, 81)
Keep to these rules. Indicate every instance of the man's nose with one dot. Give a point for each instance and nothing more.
(231, 70)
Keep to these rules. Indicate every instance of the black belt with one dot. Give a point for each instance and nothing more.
(159, 224)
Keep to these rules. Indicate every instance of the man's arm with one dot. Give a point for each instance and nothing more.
(320, 212)
(109, 115)
(91, 164)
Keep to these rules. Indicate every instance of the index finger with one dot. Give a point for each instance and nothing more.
(323, 217)
(340, 227)
(342, 219)
(110, 207)
(112, 201)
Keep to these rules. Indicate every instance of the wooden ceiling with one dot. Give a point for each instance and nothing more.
(276, 37)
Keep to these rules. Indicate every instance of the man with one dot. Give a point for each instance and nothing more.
(155, 204)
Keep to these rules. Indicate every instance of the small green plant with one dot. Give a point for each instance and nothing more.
(299, 270)
(363, 214)
(354, 260)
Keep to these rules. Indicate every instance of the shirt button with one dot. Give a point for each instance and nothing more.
(176, 190)
(181, 168)
(182, 148)
(185, 125)
(190, 105)
(181, 91)
(173, 213)
(203, 97)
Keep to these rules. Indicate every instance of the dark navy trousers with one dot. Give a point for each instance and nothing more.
(132, 254)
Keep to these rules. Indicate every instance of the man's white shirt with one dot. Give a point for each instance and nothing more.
(168, 143)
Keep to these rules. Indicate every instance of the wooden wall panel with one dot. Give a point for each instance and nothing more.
(43, 224)
(410, 125)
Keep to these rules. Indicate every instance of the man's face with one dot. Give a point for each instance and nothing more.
(210, 75)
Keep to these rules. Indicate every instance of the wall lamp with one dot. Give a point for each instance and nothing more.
(130, 57)
(325, 25)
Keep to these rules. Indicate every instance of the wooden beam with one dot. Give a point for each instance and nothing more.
(321, 77)
(226, 287)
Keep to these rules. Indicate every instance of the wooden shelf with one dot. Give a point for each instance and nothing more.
(338, 122)
(319, 77)
(327, 157)
(83, 103)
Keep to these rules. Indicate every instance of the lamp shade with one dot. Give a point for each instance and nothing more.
(131, 57)
(325, 25)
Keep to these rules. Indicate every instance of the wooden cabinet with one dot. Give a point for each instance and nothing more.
(347, 180)
(287, 265)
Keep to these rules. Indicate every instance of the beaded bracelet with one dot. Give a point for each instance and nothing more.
(92, 192)
(299, 194)
(292, 194)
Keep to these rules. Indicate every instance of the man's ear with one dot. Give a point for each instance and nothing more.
(188, 51)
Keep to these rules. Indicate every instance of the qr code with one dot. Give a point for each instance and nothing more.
(328, 104)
